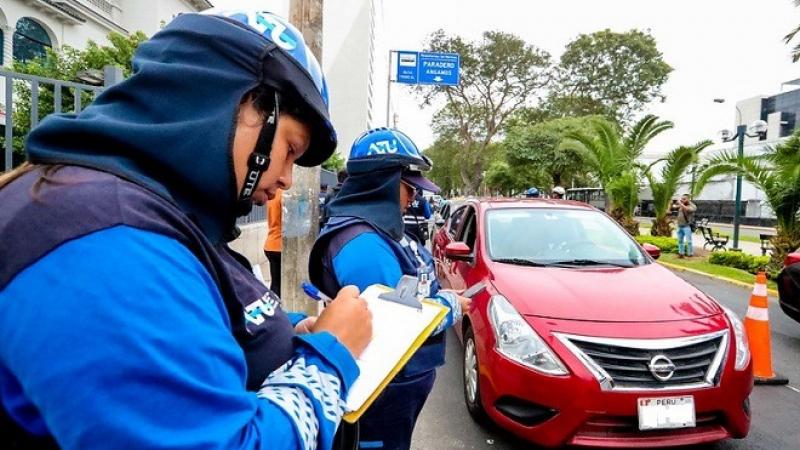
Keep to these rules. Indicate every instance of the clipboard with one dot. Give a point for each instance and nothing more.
(399, 330)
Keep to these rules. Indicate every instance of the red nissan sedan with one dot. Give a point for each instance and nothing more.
(580, 338)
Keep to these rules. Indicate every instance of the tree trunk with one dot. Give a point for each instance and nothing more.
(630, 224)
(662, 226)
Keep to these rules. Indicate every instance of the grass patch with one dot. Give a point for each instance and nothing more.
(700, 263)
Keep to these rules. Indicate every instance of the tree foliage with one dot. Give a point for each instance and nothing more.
(777, 174)
(790, 37)
(614, 74)
(613, 156)
(539, 146)
(335, 163)
(675, 166)
(65, 64)
(499, 74)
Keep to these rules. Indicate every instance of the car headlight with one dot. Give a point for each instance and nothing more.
(742, 346)
(517, 341)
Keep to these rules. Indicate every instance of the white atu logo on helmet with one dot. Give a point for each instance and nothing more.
(277, 30)
(383, 147)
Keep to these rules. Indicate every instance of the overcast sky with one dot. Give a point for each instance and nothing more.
(731, 49)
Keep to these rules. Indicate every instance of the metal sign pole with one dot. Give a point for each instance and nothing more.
(389, 88)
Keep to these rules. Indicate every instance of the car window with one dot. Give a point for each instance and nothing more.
(455, 220)
(554, 235)
(468, 231)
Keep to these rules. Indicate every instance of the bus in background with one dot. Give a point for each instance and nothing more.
(593, 196)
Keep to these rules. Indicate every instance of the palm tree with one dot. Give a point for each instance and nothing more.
(789, 37)
(777, 174)
(612, 158)
(676, 164)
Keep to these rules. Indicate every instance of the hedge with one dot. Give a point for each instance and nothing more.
(666, 244)
(739, 260)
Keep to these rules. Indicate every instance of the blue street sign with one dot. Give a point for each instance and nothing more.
(439, 68)
(407, 67)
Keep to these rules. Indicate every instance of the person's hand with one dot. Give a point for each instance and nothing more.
(305, 325)
(465, 302)
(348, 318)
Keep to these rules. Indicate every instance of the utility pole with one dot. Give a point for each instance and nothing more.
(301, 202)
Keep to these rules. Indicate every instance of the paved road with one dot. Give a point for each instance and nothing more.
(445, 423)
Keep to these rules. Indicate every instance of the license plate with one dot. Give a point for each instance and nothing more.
(666, 412)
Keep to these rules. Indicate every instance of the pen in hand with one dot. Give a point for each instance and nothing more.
(314, 293)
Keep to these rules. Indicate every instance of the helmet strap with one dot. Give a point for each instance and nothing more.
(258, 162)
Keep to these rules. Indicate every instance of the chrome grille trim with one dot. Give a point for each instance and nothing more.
(608, 383)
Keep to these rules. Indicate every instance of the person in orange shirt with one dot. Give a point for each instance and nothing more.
(272, 246)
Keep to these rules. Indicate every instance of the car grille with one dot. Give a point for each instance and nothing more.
(621, 364)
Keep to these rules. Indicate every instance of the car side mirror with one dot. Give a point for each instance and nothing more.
(652, 250)
(458, 251)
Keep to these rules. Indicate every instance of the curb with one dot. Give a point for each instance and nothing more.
(771, 292)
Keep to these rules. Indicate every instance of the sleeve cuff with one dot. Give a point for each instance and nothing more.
(295, 317)
(329, 349)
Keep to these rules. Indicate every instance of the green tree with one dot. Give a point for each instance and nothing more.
(335, 163)
(539, 146)
(675, 166)
(499, 74)
(65, 64)
(777, 174)
(608, 73)
(445, 172)
(612, 157)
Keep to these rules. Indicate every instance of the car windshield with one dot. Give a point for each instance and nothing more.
(559, 237)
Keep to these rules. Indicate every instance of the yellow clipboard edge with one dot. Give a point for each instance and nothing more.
(353, 416)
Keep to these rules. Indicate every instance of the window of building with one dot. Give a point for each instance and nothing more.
(30, 40)
(2, 47)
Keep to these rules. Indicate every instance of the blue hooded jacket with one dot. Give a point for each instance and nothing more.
(117, 326)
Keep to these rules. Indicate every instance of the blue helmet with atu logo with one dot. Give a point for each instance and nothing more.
(389, 145)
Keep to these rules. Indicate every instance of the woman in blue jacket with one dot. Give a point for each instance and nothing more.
(364, 243)
(125, 320)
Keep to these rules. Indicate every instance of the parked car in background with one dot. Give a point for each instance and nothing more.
(580, 338)
(789, 286)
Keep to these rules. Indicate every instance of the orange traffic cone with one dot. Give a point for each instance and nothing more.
(756, 324)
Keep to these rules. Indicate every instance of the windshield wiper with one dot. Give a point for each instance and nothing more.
(520, 262)
(587, 262)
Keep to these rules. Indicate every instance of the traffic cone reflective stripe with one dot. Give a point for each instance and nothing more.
(756, 324)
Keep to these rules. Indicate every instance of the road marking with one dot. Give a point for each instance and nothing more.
(793, 388)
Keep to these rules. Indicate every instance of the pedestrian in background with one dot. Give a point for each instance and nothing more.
(416, 218)
(363, 244)
(685, 218)
(274, 242)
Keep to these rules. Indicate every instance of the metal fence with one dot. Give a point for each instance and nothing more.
(61, 91)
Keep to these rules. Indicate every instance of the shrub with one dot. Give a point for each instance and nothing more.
(739, 260)
(666, 244)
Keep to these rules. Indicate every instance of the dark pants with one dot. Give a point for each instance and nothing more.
(389, 422)
(274, 259)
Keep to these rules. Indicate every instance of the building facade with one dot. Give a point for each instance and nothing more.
(27, 27)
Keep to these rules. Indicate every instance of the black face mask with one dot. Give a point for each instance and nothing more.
(258, 162)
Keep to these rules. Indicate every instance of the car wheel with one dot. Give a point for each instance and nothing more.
(472, 386)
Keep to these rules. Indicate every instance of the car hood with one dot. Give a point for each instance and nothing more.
(647, 293)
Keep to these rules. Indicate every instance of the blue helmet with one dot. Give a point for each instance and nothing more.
(298, 76)
(389, 145)
(532, 192)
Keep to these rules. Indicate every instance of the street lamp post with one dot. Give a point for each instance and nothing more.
(759, 128)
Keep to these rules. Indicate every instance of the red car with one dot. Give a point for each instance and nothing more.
(579, 337)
